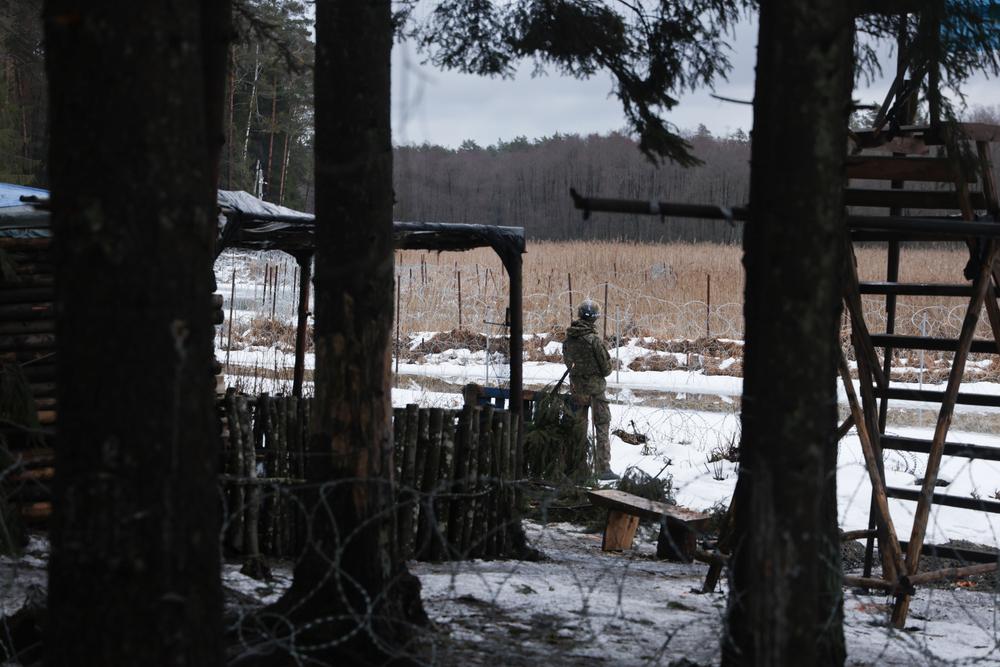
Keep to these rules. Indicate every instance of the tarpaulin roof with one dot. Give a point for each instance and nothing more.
(248, 222)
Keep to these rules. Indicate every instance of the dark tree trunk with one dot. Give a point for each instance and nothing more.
(785, 595)
(349, 573)
(134, 570)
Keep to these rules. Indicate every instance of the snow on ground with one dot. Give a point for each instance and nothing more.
(586, 607)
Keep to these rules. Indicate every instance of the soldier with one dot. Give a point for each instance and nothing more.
(589, 363)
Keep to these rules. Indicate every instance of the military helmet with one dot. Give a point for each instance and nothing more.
(588, 311)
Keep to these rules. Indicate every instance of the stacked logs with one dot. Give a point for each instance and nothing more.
(27, 340)
(455, 472)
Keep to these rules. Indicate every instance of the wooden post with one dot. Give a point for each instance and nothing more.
(569, 284)
(427, 519)
(891, 544)
(398, 318)
(980, 287)
(605, 311)
(619, 531)
(235, 506)
(456, 508)
(416, 491)
(708, 305)
(232, 298)
(439, 543)
(480, 507)
(406, 479)
(493, 500)
(302, 325)
(506, 492)
(253, 563)
(469, 487)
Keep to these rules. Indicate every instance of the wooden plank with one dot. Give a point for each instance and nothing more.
(916, 289)
(960, 449)
(888, 168)
(935, 136)
(961, 502)
(949, 573)
(978, 346)
(916, 199)
(859, 328)
(646, 509)
(958, 553)
(969, 323)
(890, 545)
(619, 531)
(933, 396)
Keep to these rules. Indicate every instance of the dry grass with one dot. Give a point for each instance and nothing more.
(653, 289)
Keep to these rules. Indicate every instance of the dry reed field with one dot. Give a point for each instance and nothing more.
(675, 290)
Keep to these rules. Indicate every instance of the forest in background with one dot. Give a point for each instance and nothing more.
(521, 182)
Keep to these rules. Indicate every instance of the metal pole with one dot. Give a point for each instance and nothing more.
(618, 347)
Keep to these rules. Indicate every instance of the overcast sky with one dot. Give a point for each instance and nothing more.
(446, 107)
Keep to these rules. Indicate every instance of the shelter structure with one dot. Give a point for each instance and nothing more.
(254, 225)
(27, 299)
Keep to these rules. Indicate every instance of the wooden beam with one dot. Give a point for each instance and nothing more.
(844, 428)
(961, 449)
(887, 168)
(949, 573)
(971, 320)
(921, 199)
(859, 328)
(891, 544)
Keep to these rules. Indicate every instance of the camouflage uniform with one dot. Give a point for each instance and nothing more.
(589, 363)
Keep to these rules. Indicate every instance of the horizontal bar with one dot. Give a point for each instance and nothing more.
(900, 342)
(930, 396)
(654, 207)
(888, 168)
(956, 553)
(929, 199)
(978, 504)
(933, 136)
(964, 450)
(916, 289)
(945, 227)
(866, 236)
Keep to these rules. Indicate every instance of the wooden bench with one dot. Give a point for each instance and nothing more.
(679, 526)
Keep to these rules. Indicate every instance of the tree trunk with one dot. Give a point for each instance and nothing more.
(785, 595)
(349, 572)
(134, 569)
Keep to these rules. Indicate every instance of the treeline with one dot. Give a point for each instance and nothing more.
(524, 183)
(268, 122)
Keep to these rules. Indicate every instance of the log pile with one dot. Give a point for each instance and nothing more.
(27, 341)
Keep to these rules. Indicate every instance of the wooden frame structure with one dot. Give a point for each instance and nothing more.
(954, 201)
